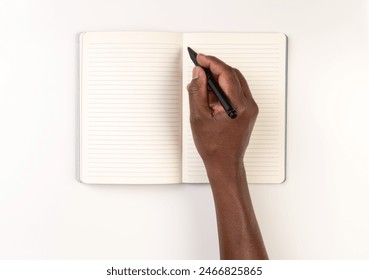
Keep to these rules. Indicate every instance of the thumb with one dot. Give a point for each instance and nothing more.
(198, 95)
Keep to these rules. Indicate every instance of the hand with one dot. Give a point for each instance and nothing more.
(221, 142)
(217, 137)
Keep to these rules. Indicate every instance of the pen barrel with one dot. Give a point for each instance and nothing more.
(222, 97)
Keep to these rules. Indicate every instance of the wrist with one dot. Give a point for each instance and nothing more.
(229, 184)
(224, 167)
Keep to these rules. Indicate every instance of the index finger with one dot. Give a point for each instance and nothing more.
(226, 77)
(216, 66)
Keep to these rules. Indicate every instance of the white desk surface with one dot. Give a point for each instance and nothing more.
(320, 212)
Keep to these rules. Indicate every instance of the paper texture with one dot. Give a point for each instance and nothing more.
(134, 113)
(130, 108)
(262, 60)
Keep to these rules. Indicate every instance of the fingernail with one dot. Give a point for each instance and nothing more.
(195, 73)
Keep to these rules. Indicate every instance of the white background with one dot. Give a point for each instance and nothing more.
(320, 212)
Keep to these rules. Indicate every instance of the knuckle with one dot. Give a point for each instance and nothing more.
(236, 70)
(238, 74)
(228, 70)
(249, 109)
(193, 88)
(256, 109)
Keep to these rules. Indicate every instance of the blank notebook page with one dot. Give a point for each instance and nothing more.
(130, 104)
(262, 59)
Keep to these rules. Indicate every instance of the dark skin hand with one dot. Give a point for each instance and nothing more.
(221, 143)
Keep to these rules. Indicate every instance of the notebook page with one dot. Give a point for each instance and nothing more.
(261, 57)
(130, 108)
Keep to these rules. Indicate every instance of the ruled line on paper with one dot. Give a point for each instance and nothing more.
(263, 68)
(131, 110)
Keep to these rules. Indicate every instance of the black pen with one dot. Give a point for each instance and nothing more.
(215, 87)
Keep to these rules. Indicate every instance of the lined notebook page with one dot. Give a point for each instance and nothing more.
(262, 59)
(130, 108)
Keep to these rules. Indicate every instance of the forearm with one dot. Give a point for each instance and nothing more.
(221, 143)
(238, 230)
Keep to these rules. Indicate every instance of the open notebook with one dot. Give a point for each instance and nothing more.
(134, 112)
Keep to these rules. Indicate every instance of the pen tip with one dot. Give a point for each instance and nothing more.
(191, 52)
(193, 55)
